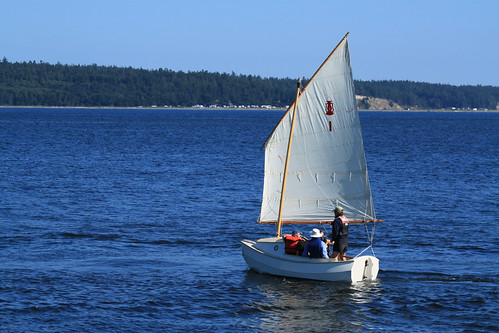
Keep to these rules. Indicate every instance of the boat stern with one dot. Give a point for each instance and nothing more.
(365, 268)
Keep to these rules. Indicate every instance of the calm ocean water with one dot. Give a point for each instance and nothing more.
(127, 220)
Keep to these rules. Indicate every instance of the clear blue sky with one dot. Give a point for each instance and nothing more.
(438, 41)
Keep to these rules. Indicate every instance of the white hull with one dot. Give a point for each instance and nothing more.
(267, 255)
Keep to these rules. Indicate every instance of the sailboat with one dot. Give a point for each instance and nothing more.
(314, 162)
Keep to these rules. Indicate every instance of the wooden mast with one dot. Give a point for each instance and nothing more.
(279, 221)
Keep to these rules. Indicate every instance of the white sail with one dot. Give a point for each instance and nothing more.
(327, 166)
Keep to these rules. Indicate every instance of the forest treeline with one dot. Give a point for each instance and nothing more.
(44, 84)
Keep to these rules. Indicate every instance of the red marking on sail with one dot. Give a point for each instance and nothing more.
(329, 108)
(330, 126)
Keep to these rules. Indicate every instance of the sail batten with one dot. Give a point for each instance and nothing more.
(327, 166)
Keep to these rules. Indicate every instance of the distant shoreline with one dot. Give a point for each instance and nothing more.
(222, 108)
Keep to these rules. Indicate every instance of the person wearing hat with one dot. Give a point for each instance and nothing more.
(294, 243)
(315, 248)
(339, 235)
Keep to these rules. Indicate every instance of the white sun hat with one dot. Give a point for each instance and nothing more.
(315, 233)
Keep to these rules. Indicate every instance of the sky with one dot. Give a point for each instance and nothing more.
(438, 41)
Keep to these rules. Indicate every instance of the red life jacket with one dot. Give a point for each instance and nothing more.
(291, 244)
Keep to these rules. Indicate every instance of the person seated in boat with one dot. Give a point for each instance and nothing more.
(294, 243)
(339, 235)
(315, 248)
(326, 241)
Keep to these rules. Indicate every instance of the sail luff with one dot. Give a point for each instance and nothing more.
(279, 216)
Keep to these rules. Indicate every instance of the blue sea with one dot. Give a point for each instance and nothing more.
(120, 220)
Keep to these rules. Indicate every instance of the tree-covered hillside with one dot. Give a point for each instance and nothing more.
(43, 84)
(431, 96)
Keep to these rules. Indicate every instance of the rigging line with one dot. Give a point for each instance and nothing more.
(370, 235)
(324, 227)
(359, 211)
(372, 248)
(363, 251)
(370, 238)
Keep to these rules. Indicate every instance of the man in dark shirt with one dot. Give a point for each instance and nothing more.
(339, 235)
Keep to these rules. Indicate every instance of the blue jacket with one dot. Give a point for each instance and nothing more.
(317, 249)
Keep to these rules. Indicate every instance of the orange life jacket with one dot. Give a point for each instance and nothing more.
(291, 244)
(344, 226)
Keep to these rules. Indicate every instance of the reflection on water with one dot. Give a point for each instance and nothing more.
(288, 304)
(393, 303)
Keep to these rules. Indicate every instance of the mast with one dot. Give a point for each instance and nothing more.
(279, 221)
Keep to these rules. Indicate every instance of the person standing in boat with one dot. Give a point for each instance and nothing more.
(294, 243)
(339, 235)
(315, 248)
